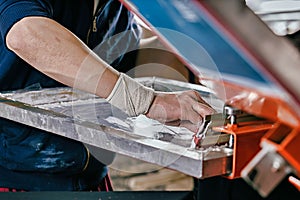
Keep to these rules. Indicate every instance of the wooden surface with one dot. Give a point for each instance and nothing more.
(129, 174)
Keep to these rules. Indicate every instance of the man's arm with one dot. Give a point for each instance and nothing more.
(58, 53)
(55, 51)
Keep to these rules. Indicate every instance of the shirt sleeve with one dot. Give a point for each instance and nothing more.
(11, 11)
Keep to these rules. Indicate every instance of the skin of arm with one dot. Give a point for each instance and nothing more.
(58, 53)
(55, 51)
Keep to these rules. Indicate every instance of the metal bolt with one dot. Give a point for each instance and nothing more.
(232, 113)
(276, 166)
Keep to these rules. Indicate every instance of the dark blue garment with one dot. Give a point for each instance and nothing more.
(32, 159)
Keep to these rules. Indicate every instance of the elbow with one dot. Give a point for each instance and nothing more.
(16, 37)
(13, 40)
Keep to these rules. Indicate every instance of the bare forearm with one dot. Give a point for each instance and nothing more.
(58, 53)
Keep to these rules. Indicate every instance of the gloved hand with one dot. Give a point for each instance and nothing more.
(185, 108)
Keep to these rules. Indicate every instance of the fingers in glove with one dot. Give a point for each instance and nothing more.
(184, 123)
(192, 127)
(203, 109)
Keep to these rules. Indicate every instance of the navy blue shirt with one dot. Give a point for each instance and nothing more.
(32, 159)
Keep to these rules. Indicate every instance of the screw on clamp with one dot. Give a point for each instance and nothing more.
(231, 114)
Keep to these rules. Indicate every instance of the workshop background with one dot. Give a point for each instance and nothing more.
(128, 174)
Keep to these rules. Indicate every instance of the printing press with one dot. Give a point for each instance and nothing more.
(239, 66)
